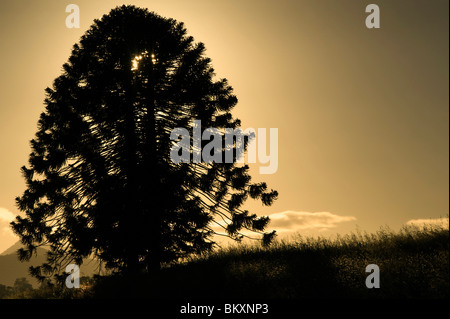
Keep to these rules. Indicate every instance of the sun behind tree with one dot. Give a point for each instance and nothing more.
(100, 180)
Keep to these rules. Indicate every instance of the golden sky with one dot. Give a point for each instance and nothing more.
(362, 114)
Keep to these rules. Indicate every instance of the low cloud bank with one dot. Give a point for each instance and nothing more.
(429, 222)
(295, 221)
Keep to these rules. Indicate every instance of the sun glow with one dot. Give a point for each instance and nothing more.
(137, 59)
(135, 62)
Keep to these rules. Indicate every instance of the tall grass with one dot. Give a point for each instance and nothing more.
(414, 263)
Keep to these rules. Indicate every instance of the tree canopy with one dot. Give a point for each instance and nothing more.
(100, 180)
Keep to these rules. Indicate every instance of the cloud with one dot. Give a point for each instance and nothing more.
(6, 215)
(7, 236)
(422, 222)
(293, 221)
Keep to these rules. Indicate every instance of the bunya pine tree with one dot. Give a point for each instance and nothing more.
(100, 180)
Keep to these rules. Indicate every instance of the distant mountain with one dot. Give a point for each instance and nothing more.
(13, 249)
(11, 268)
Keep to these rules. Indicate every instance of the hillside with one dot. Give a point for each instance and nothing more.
(414, 263)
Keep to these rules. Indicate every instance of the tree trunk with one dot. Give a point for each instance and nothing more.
(131, 215)
(153, 203)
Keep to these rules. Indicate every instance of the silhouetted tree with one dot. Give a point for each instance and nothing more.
(21, 285)
(5, 291)
(100, 180)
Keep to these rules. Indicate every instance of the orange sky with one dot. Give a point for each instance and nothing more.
(362, 114)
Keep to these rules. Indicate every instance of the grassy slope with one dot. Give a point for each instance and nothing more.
(414, 263)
